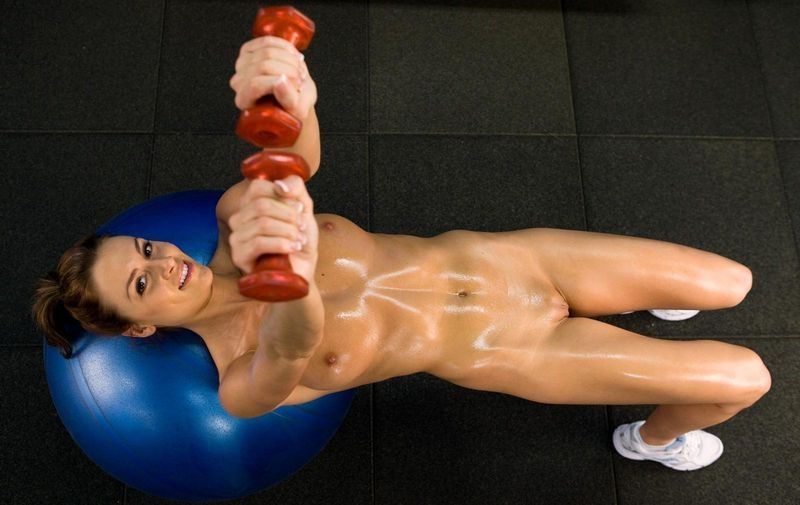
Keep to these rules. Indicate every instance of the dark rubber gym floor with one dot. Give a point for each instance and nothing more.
(678, 121)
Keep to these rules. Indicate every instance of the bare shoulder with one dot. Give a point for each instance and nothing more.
(237, 398)
(234, 389)
(228, 204)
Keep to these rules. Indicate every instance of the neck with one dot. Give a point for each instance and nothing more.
(222, 307)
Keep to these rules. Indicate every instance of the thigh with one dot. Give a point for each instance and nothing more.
(588, 362)
(603, 274)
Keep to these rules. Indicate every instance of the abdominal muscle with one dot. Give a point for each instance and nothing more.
(452, 305)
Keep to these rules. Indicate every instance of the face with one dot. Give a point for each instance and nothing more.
(141, 280)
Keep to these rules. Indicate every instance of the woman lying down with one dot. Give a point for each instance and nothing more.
(510, 312)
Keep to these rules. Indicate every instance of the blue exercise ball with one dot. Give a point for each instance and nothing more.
(147, 410)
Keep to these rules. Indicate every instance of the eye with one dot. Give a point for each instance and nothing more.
(140, 282)
(140, 285)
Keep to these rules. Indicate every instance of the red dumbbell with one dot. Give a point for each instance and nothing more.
(273, 279)
(266, 124)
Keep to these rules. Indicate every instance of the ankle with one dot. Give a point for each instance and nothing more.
(650, 440)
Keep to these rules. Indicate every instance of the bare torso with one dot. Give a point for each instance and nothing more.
(449, 305)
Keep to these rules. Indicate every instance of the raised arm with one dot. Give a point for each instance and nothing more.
(270, 220)
(259, 68)
(259, 381)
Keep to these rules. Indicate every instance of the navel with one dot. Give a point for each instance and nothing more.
(462, 294)
(330, 359)
(327, 225)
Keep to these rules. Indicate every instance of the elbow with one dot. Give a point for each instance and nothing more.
(313, 167)
(246, 413)
(240, 414)
(244, 408)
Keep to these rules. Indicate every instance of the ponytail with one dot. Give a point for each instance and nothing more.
(50, 315)
(65, 300)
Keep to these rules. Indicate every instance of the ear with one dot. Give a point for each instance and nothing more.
(139, 331)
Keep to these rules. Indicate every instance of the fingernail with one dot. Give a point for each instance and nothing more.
(299, 206)
(283, 186)
(301, 56)
(298, 246)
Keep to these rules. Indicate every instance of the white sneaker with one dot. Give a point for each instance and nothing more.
(673, 314)
(690, 451)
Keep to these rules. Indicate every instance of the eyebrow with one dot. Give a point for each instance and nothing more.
(128, 286)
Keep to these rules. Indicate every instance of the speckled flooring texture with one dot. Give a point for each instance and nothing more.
(677, 121)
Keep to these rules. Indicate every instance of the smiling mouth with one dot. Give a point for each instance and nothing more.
(188, 269)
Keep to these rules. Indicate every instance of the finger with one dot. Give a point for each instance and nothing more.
(308, 98)
(249, 252)
(298, 193)
(271, 208)
(266, 85)
(276, 67)
(248, 50)
(266, 41)
(260, 189)
(292, 186)
(266, 227)
(288, 96)
(294, 59)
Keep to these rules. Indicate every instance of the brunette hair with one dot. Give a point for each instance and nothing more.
(66, 298)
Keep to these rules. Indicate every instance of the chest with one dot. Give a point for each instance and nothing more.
(345, 256)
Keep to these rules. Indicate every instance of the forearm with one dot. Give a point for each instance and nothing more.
(307, 144)
(293, 329)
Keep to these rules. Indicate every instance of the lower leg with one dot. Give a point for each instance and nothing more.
(668, 422)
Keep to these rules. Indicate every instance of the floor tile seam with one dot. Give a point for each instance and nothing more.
(76, 132)
(772, 127)
(406, 133)
(153, 136)
(606, 410)
(577, 143)
(569, 135)
(164, 133)
(786, 200)
(763, 74)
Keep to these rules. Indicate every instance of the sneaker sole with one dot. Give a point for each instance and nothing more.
(673, 315)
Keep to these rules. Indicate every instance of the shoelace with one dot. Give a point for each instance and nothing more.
(691, 445)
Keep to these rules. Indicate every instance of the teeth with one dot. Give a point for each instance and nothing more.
(183, 275)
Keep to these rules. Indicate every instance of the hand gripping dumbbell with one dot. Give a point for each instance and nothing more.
(272, 278)
(268, 125)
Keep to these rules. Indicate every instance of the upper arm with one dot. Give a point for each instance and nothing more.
(228, 204)
(247, 392)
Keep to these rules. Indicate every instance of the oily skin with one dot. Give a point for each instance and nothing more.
(477, 309)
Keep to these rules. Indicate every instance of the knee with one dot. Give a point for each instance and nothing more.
(737, 283)
(760, 379)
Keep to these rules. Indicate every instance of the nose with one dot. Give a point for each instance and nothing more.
(169, 265)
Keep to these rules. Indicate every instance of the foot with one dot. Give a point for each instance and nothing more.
(690, 451)
(673, 314)
(648, 440)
